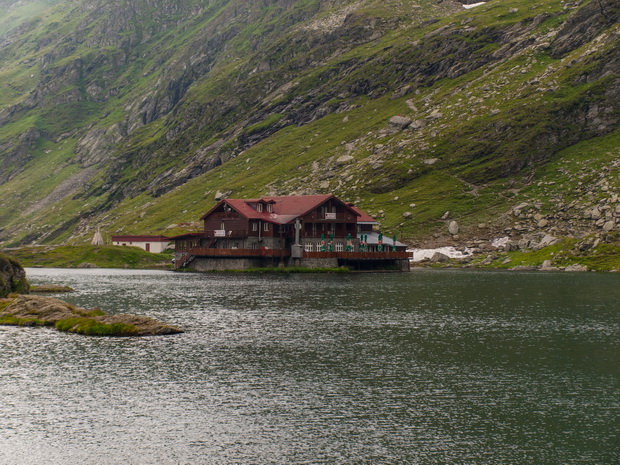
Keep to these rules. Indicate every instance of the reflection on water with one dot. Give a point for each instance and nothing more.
(422, 367)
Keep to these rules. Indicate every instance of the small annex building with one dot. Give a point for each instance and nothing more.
(154, 244)
(310, 231)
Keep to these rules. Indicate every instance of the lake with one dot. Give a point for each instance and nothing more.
(431, 366)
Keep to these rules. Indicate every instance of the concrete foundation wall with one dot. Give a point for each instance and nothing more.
(239, 263)
(319, 262)
(404, 265)
(221, 264)
(218, 264)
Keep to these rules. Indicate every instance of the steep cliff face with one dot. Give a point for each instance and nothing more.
(128, 104)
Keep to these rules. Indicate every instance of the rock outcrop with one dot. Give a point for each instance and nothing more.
(46, 311)
(12, 277)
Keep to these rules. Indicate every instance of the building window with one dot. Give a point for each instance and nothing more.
(269, 208)
(266, 227)
(339, 247)
(254, 226)
(259, 207)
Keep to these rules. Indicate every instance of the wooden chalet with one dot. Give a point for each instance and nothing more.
(309, 231)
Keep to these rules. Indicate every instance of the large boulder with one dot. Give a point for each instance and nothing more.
(12, 277)
(398, 123)
(439, 257)
(453, 228)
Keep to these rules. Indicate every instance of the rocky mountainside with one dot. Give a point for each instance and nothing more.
(444, 122)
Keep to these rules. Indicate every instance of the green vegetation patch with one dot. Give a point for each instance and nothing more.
(10, 320)
(88, 255)
(50, 288)
(91, 327)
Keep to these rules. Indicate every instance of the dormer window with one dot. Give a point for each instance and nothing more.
(269, 208)
(259, 207)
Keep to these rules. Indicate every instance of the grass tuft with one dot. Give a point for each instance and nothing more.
(90, 327)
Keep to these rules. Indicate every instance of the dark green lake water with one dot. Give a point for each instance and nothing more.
(456, 367)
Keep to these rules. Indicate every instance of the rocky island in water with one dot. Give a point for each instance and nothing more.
(18, 309)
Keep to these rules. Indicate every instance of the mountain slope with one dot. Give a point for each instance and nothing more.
(132, 117)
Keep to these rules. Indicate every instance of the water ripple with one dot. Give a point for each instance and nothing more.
(425, 367)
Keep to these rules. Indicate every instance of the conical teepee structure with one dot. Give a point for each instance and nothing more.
(97, 238)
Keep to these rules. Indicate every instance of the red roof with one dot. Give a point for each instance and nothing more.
(364, 217)
(284, 209)
(140, 239)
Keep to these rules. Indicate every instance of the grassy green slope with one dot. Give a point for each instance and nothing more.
(99, 256)
(499, 109)
(474, 177)
(71, 108)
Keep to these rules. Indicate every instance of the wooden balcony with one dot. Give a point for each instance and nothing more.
(228, 215)
(229, 234)
(327, 216)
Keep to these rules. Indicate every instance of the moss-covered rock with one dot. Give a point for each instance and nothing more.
(46, 311)
(12, 277)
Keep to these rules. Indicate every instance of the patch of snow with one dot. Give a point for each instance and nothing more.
(472, 5)
(500, 241)
(421, 254)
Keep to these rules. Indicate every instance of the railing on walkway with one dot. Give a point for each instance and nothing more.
(279, 253)
(185, 260)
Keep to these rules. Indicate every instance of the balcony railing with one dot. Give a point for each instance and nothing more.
(224, 215)
(338, 234)
(228, 234)
(282, 253)
(327, 216)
